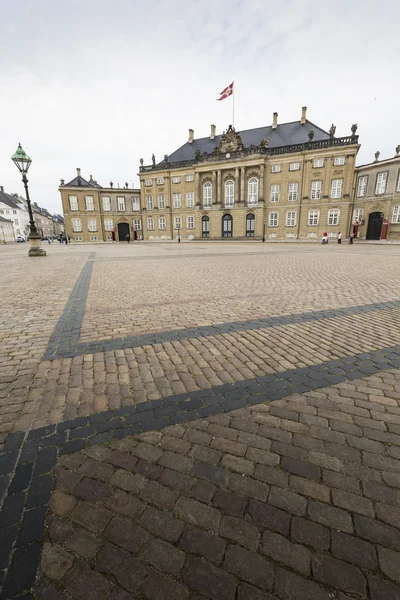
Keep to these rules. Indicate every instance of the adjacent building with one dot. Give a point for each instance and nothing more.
(13, 208)
(94, 213)
(376, 211)
(283, 181)
(6, 231)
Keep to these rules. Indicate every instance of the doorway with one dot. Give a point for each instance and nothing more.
(226, 226)
(123, 231)
(374, 226)
(205, 227)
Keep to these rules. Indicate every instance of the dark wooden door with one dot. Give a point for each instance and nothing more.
(374, 226)
(123, 231)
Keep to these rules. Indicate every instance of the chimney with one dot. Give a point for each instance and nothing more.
(91, 178)
(78, 171)
(212, 134)
(1, 188)
(191, 136)
(275, 120)
(303, 115)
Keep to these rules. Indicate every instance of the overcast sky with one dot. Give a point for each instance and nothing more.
(98, 84)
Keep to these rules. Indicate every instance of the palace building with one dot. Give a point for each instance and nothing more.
(282, 181)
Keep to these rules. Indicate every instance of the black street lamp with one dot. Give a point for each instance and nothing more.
(23, 162)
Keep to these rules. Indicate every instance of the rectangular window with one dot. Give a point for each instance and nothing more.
(108, 224)
(294, 166)
(398, 183)
(178, 222)
(313, 217)
(190, 199)
(338, 160)
(396, 214)
(189, 178)
(293, 192)
(93, 238)
(78, 238)
(89, 201)
(16, 221)
(14, 212)
(318, 163)
(92, 225)
(316, 187)
(162, 224)
(381, 183)
(161, 201)
(135, 203)
(275, 193)
(362, 185)
(106, 203)
(121, 203)
(358, 215)
(73, 202)
(137, 224)
(148, 182)
(273, 219)
(333, 216)
(149, 202)
(160, 180)
(176, 180)
(150, 223)
(336, 189)
(76, 225)
(276, 168)
(177, 199)
(190, 222)
(291, 219)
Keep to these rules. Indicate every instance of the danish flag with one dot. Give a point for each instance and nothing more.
(228, 91)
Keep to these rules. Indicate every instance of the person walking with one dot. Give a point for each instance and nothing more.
(325, 238)
(339, 237)
(128, 238)
(351, 237)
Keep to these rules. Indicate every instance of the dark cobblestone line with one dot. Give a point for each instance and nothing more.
(202, 256)
(28, 458)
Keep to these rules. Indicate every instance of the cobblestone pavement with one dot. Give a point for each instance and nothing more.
(203, 420)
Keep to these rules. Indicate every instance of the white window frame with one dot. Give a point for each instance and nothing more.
(189, 199)
(381, 182)
(176, 179)
(162, 224)
(291, 218)
(362, 185)
(189, 178)
(207, 193)
(161, 201)
(149, 203)
(121, 202)
(333, 216)
(190, 222)
(396, 214)
(318, 163)
(313, 218)
(135, 203)
(339, 161)
(276, 168)
(108, 224)
(150, 223)
(148, 182)
(92, 225)
(177, 198)
(252, 191)
(273, 219)
(294, 166)
(137, 224)
(106, 201)
(293, 191)
(73, 202)
(316, 189)
(76, 225)
(160, 180)
(336, 188)
(275, 192)
(89, 203)
(358, 214)
(177, 221)
(229, 192)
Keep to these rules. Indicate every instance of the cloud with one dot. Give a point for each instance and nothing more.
(98, 85)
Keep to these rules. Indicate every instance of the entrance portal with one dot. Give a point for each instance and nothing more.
(123, 231)
(374, 226)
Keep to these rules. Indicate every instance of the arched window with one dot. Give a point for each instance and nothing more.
(252, 196)
(250, 221)
(229, 192)
(207, 194)
(205, 227)
(227, 226)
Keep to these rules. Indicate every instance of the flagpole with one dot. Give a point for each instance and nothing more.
(233, 105)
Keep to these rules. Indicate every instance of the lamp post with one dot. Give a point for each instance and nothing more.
(23, 162)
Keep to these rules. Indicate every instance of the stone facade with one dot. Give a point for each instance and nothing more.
(94, 214)
(376, 211)
(294, 183)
